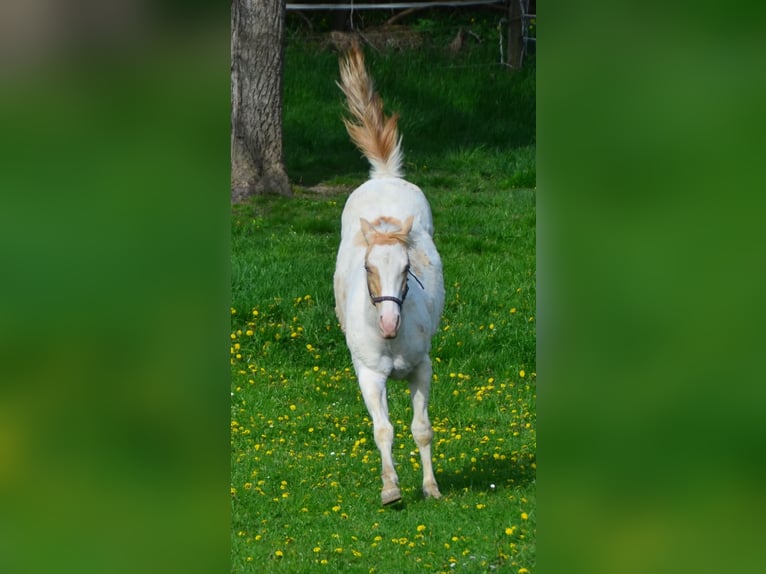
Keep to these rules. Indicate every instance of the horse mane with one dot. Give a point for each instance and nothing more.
(387, 231)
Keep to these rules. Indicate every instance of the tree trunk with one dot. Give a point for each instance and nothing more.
(257, 49)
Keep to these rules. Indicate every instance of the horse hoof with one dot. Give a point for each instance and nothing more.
(390, 496)
(432, 492)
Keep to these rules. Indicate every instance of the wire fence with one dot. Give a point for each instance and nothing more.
(514, 29)
(394, 5)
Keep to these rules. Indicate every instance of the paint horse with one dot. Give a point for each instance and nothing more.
(389, 289)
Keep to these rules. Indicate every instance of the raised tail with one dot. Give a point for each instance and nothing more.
(373, 133)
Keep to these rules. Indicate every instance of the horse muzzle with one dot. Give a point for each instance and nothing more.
(389, 324)
(389, 317)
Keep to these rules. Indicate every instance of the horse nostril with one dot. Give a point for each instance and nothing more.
(389, 325)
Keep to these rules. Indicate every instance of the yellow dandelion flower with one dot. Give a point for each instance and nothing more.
(279, 554)
(421, 527)
(522, 374)
(317, 549)
(523, 571)
(524, 516)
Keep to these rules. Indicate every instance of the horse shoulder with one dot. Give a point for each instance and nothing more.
(340, 300)
(343, 270)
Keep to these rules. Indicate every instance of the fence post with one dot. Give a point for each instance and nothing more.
(515, 35)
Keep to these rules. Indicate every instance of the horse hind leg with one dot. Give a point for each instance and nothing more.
(373, 387)
(422, 432)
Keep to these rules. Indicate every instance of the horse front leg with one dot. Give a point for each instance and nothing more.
(373, 387)
(420, 387)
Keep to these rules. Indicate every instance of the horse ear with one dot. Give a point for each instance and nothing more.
(407, 227)
(367, 230)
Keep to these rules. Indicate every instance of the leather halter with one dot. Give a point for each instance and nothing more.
(396, 300)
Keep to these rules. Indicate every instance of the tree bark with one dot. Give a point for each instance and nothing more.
(257, 50)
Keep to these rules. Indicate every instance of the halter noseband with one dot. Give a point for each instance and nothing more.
(400, 302)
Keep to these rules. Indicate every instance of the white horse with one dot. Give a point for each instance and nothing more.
(389, 289)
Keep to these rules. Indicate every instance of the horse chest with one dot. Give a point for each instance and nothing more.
(395, 359)
(396, 364)
(401, 367)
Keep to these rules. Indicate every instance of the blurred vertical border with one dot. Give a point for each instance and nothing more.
(651, 273)
(114, 286)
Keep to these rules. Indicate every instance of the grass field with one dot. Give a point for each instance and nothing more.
(305, 472)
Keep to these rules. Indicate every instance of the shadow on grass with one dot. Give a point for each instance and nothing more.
(489, 477)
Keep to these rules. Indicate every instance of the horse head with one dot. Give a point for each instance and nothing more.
(387, 264)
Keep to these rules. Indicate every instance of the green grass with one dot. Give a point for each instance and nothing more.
(305, 474)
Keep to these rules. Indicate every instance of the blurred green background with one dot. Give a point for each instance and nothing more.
(651, 434)
(114, 293)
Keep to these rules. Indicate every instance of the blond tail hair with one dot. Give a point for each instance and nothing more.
(371, 131)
